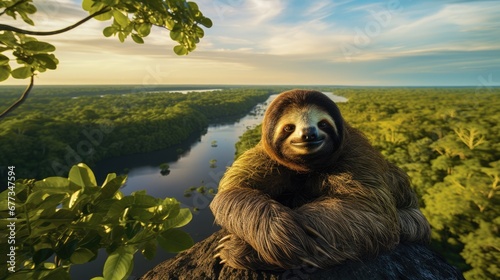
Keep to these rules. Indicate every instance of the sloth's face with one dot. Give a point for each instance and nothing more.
(305, 133)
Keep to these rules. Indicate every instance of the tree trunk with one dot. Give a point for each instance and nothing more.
(407, 261)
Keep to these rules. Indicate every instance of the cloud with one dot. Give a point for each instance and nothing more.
(463, 25)
(323, 9)
(289, 42)
(264, 10)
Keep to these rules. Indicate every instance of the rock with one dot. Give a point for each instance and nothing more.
(407, 261)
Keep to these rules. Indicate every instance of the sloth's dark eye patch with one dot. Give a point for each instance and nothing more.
(289, 128)
(323, 124)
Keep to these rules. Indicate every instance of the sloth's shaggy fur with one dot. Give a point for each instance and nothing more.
(312, 192)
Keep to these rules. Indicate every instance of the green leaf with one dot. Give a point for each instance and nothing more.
(82, 176)
(176, 35)
(170, 24)
(109, 31)
(121, 36)
(27, 19)
(29, 8)
(180, 50)
(105, 16)
(144, 201)
(182, 219)
(52, 201)
(137, 39)
(109, 189)
(193, 6)
(4, 60)
(74, 198)
(87, 5)
(49, 265)
(140, 192)
(206, 22)
(149, 250)
(35, 198)
(169, 208)
(49, 61)
(117, 209)
(92, 6)
(38, 47)
(109, 177)
(174, 240)
(22, 72)
(81, 256)
(93, 220)
(55, 184)
(117, 264)
(4, 72)
(144, 29)
(141, 214)
(141, 236)
(199, 32)
(120, 18)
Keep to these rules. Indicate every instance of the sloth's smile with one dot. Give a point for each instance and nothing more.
(308, 144)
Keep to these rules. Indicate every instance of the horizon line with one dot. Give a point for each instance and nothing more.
(246, 85)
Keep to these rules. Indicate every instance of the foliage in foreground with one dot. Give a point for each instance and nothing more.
(61, 222)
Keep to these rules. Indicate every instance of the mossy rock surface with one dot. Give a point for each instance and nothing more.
(407, 261)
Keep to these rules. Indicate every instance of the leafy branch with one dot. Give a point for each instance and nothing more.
(129, 18)
(4, 27)
(62, 222)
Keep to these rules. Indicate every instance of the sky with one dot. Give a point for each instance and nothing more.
(294, 42)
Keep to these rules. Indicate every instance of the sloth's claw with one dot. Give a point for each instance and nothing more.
(219, 247)
(309, 262)
(225, 238)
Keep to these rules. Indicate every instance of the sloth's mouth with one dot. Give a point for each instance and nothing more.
(307, 143)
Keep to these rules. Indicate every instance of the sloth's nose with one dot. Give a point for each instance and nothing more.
(309, 133)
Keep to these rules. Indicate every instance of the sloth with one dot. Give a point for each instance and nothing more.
(312, 192)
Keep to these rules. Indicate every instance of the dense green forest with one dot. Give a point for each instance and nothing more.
(447, 139)
(58, 127)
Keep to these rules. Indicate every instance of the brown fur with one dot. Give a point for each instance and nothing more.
(285, 211)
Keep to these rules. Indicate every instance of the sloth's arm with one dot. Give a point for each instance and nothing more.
(414, 226)
(350, 226)
(270, 228)
(265, 233)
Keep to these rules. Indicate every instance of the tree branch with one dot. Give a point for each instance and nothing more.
(20, 100)
(48, 33)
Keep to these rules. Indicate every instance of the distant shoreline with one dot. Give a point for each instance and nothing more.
(199, 86)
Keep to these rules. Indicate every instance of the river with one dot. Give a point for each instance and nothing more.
(191, 165)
